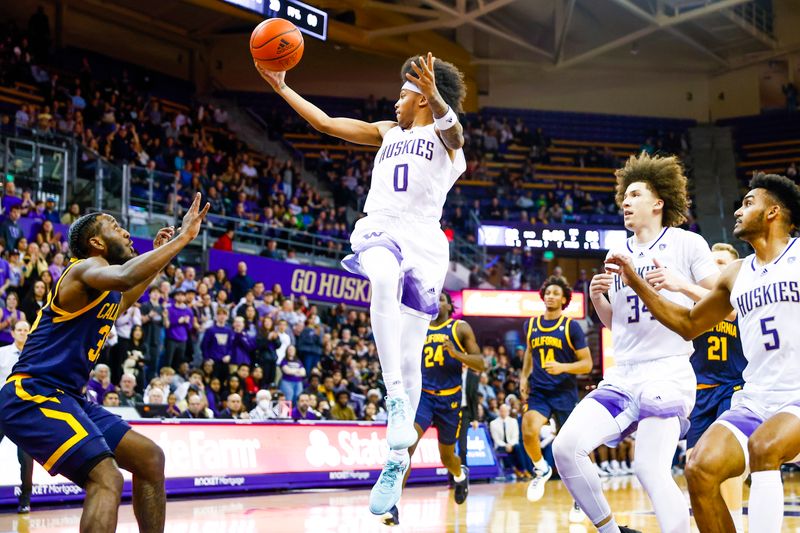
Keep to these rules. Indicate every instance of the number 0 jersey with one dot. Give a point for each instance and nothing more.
(413, 173)
(718, 357)
(766, 299)
(62, 347)
(557, 341)
(440, 371)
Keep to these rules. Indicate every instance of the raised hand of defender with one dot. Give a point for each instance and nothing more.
(275, 79)
(163, 236)
(194, 217)
(425, 78)
(621, 265)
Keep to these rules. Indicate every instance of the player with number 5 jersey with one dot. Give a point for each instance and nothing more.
(652, 386)
(42, 406)
(399, 246)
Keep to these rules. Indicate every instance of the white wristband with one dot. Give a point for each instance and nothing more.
(446, 122)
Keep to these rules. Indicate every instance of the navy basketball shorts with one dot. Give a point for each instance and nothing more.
(443, 412)
(709, 405)
(64, 433)
(551, 403)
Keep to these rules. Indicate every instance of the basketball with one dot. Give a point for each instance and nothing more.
(276, 44)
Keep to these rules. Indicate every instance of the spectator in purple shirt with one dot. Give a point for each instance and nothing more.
(5, 272)
(8, 317)
(242, 346)
(100, 384)
(10, 231)
(302, 409)
(179, 324)
(293, 374)
(10, 199)
(217, 340)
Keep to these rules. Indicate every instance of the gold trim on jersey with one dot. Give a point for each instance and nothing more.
(704, 386)
(443, 392)
(22, 394)
(546, 330)
(455, 337)
(440, 326)
(67, 315)
(566, 331)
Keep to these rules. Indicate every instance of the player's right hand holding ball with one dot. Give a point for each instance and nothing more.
(275, 79)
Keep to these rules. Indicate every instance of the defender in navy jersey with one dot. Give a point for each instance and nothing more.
(556, 352)
(762, 428)
(450, 349)
(42, 409)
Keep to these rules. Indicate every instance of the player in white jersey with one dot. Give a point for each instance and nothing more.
(652, 385)
(762, 428)
(399, 246)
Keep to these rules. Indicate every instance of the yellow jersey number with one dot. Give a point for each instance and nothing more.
(434, 357)
(717, 348)
(94, 353)
(547, 356)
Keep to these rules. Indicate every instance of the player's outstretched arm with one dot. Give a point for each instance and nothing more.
(453, 135)
(348, 129)
(669, 279)
(132, 296)
(688, 323)
(473, 357)
(99, 275)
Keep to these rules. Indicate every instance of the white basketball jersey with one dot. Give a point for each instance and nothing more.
(767, 302)
(635, 333)
(413, 173)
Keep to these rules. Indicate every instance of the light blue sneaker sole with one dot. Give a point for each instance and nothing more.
(380, 502)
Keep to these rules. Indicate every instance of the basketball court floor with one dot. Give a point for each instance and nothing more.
(494, 508)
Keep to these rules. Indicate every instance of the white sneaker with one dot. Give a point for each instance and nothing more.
(600, 471)
(576, 514)
(400, 432)
(604, 471)
(536, 486)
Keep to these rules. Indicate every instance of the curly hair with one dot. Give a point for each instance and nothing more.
(80, 232)
(565, 289)
(783, 190)
(664, 177)
(449, 81)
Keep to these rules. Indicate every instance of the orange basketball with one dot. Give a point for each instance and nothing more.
(276, 44)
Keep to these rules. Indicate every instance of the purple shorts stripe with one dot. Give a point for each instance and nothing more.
(649, 408)
(613, 400)
(418, 297)
(351, 263)
(742, 419)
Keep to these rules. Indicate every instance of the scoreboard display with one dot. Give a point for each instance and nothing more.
(563, 237)
(308, 19)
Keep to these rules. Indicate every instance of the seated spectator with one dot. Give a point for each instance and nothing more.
(341, 410)
(255, 381)
(156, 397)
(263, 409)
(302, 409)
(235, 409)
(128, 397)
(214, 395)
(196, 407)
(370, 412)
(10, 316)
(195, 382)
(111, 399)
(100, 384)
(505, 434)
(173, 411)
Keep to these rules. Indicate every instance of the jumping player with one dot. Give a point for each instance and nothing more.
(762, 428)
(556, 352)
(653, 384)
(399, 246)
(41, 407)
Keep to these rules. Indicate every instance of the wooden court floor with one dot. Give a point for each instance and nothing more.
(495, 508)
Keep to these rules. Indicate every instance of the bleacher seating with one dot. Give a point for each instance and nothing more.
(767, 143)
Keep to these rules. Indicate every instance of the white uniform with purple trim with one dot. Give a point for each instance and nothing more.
(653, 375)
(411, 177)
(767, 302)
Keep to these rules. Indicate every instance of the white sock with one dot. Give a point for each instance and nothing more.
(461, 477)
(656, 442)
(615, 465)
(412, 340)
(766, 501)
(738, 520)
(399, 455)
(609, 527)
(383, 271)
(604, 465)
(541, 465)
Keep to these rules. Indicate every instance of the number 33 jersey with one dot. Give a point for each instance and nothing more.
(635, 333)
(63, 347)
(413, 173)
(766, 299)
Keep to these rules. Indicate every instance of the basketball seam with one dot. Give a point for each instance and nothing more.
(273, 38)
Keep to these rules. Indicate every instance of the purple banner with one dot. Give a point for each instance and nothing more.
(317, 283)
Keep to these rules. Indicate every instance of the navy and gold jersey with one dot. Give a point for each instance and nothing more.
(718, 356)
(553, 340)
(440, 371)
(62, 347)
